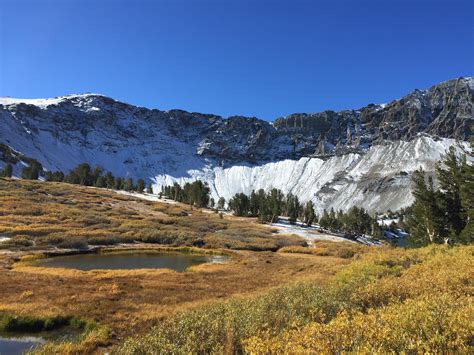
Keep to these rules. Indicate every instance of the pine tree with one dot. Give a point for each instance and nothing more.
(32, 172)
(466, 193)
(96, 173)
(84, 174)
(356, 221)
(109, 180)
(334, 222)
(140, 185)
(7, 171)
(149, 189)
(119, 184)
(449, 173)
(275, 203)
(254, 204)
(81, 174)
(375, 230)
(292, 208)
(100, 182)
(444, 215)
(221, 203)
(308, 213)
(54, 176)
(265, 211)
(199, 194)
(325, 220)
(196, 193)
(128, 185)
(426, 220)
(175, 192)
(240, 204)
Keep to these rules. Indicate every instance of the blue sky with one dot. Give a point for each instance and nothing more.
(255, 58)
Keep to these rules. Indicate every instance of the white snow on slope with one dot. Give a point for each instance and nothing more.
(42, 103)
(311, 234)
(378, 180)
(144, 155)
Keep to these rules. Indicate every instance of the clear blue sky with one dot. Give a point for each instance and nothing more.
(256, 58)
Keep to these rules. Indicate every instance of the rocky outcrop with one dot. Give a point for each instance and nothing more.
(445, 110)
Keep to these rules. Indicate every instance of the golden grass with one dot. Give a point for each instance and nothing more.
(395, 301)
(64, 215)
(131, 301)
(385, 301)
(248, 303)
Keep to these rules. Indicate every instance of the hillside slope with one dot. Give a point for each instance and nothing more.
(337, 159)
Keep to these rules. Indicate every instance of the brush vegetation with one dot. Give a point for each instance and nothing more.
(38, 214)
(130, 302)
(386, 301)
(89, 336)
(25, 323)
(330, 297)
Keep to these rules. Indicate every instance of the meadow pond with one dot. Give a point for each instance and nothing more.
(129, 261)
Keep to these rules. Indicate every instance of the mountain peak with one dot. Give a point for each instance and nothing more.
(45, 102)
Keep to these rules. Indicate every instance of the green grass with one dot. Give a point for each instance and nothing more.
(30, 324)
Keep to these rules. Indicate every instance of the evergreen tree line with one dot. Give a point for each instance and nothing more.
(443, 214)
(355, 221)
(196, 193)
(82, 174)
(32, 171)
(268, 206)
(7, 171)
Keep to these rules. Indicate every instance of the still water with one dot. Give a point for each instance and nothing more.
(128, 261)
(18, 345)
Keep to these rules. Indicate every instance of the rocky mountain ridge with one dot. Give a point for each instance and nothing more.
(444, 110)
(175, 145)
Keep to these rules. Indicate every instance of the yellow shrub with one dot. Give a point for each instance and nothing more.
(436, 324)
(386, 301)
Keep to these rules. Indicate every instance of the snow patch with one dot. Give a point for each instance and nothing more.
(378, 180)
(42, 103)
(309, 233)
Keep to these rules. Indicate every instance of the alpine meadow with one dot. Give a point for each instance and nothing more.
(325, 207)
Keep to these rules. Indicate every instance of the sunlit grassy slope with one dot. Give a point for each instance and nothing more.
(64, 215)
(390, 300)
(333, 297)
(41, 216)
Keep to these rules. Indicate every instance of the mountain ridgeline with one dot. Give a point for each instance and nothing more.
(444, 110)
(164, 145)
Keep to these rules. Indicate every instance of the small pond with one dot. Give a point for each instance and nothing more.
(19, 342)
(130, 260)
(17, 345)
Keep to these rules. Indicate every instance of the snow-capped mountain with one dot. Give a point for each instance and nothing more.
(337, 159)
